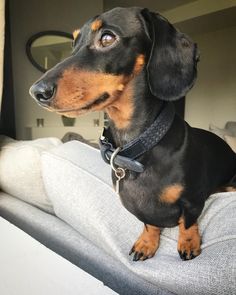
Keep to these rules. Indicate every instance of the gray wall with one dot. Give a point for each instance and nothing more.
(27, 18)
(213, 98)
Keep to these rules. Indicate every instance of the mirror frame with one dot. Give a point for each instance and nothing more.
(38, 35)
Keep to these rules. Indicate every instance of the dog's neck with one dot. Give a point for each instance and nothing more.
(134, 111)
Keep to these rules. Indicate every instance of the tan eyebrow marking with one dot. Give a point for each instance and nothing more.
(139, 63)
(76, 33)
(96, 25)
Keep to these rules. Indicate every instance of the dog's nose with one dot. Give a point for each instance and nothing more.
(42, 92)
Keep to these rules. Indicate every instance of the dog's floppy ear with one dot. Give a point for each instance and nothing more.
(172, 64)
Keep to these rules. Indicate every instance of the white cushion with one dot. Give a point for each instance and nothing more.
(79, 185)
(231, 142)
(20, 170)
(218, 131)
(231, 126)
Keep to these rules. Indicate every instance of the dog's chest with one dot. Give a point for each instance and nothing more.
(140, 195)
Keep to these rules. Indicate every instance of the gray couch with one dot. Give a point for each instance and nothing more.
(68, 204)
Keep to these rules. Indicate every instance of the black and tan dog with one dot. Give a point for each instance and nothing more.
(127, 62)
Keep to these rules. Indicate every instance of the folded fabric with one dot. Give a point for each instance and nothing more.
(231, 142)
(219, 131)
(20, 170)
(78, 183)
(231, 126)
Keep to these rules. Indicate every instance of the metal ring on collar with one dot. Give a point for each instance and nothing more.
(114, 154)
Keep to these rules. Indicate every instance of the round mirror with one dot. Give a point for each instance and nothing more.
(46, 49)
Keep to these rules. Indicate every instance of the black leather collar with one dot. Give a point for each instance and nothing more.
(127, 155)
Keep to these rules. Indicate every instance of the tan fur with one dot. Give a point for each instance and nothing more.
(230, 189)
(171, 193)
(76, 89)
(139, 63)
(96, 25)
(189, 239)
(225, 189)
(121, 87)
(76, 33)
(121, 110)
(148, 242)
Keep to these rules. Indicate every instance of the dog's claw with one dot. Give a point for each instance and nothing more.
(131, 251)
(187, 256)
(137, 256)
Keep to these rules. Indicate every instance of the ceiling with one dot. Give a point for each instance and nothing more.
(190, 16)
(156, 5)
(210, 22)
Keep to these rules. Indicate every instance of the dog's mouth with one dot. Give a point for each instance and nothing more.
(85, 108)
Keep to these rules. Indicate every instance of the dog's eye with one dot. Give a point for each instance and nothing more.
(107, 39)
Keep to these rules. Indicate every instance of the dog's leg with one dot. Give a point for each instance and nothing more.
(227, 189)
(189, 241)
(147, 244)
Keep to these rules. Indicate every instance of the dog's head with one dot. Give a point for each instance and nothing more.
(109, 52)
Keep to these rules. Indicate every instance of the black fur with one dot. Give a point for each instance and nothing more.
(172, 64)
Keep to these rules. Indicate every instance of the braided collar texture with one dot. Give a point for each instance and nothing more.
(127, 155)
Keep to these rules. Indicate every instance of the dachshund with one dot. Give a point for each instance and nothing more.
(133, 64)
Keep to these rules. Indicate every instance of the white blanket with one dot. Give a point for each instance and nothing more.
(79, 185)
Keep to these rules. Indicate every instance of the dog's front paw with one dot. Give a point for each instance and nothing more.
(147, 244)
(189, 249)
(143, 249)
(189, 243)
